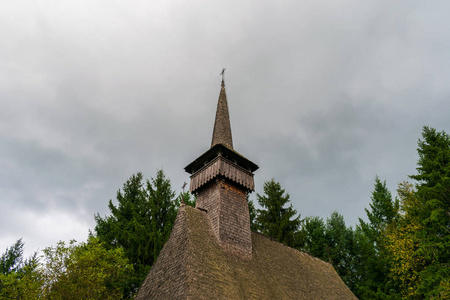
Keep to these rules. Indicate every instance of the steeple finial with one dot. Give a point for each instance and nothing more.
(222, 127)
(223, 76)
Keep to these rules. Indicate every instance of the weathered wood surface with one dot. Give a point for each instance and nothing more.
(223, 167)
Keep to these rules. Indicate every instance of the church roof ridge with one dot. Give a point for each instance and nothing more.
(193, 265)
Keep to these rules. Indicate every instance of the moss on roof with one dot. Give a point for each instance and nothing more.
(192, 265)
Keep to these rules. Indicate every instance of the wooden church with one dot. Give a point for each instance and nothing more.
(212, 253)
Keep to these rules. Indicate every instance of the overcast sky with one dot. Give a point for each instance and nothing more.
(323, 96)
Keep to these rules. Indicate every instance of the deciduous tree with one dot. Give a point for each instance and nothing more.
(85, 271)
(402, 243)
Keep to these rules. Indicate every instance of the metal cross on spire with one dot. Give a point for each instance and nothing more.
(223, 73)
(182, 195)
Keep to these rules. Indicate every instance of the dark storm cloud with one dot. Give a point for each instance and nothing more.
(323, 96)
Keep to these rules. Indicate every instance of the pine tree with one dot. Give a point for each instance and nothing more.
(19, 278)
(418, 242)
(313, 236)
(433, 211)
(276, 219)
(162, 210)
(339, 247)
(140, 223)
(371, 260)
(382, 209)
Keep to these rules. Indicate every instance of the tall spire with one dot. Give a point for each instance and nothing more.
(222, 127)
(221, 179)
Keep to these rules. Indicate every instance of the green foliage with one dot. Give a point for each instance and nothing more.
(275, 220)
(330, 241)
(434, 158)
(432, 213)
(371, 260)
(187, 197)
(12, 259)
(19, 278)
(314, 239)
(162, 210)
(141, 222)
(85, 271)
(24, 285)
(418, 241)
(402, 251)
(382, 209)
(401, 244)
(339, 249)
(128, 227)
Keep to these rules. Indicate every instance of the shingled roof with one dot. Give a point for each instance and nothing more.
(192, 265)
(212, 253)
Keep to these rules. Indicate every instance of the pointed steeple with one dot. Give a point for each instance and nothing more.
(221, 179)
(222, 127)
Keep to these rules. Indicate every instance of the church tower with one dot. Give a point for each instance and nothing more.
(211, 252)
(221, 178)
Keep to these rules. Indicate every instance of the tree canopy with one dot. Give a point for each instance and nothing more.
(400, 250)
(20, 278)
(78, 271)
(371, 260)
(85, 271)
(420, 239)
(277, 217)
(141, 222)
